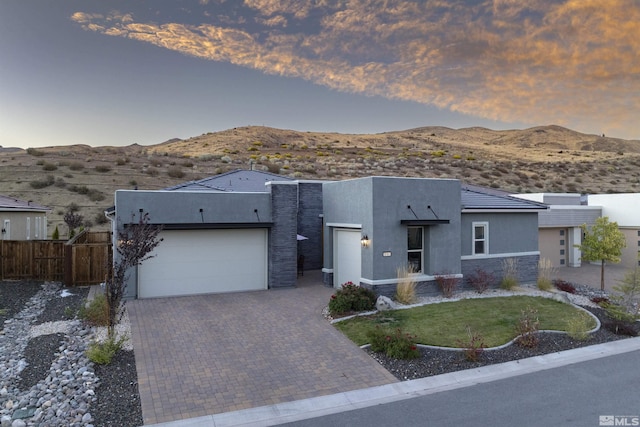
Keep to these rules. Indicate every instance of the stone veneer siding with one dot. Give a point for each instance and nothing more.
(310, 223)
(527, 269)
(283, 266)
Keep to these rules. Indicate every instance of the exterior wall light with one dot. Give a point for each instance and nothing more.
(365, 242)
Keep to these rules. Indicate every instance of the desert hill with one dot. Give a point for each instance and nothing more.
(543, 158)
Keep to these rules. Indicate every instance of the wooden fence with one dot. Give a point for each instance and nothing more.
(81, 261)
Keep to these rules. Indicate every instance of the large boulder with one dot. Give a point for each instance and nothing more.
(385, 304)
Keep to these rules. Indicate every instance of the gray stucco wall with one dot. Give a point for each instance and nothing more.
(508, 232)
(379, 204)
(346, 202)
(310, 223)
(175, 207)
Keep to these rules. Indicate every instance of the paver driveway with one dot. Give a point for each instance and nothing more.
(208, 354)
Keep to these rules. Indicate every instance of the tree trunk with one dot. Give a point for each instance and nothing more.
(602, 275)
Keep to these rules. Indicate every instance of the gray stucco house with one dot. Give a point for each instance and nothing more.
(239, 231)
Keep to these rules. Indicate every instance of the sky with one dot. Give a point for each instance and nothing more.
(115, 73)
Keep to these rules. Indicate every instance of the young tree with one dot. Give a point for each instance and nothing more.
(602, 242)
(135, 244)
(73, 221)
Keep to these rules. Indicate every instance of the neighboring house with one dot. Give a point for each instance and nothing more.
(560, 227)
(624, 209)
(22, 220)
(238, 231)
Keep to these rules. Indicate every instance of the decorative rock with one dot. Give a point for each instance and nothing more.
(18, 423)
(385, 304)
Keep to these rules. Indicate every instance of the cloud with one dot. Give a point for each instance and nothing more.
(572, 62)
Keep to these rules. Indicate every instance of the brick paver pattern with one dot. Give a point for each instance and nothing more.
(208, 354)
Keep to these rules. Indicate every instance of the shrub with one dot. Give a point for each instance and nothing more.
(527, 328)
(578, 326)
(56, 234)
(396, 344)
(599, 300)
(352, 298)
(102, 352)
(564, 286)
(406, 289)
(152, 171)
(447, 284)
(480, 280)
(473, 347)
(121, 162)
(620, 327)
(37, 184)
(49, 166)
(102, 168)
(96, 313)
(175, 172)
(510, 273)
(545, 271)
(76, 166)
(34, 152)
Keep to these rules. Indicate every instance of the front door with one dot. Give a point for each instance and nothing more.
(347, 257)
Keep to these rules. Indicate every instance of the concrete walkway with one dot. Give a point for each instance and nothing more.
(209, 354)
(589, 274)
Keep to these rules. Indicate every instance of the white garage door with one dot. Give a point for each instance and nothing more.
(189, 262)
(347, 255)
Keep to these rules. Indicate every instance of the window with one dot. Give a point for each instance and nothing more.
(6, 230)
(562, 232)
(480, 238)
(561, 262)
(28, 228)
(415, 245)
(561, 242)
(37, 230)
(561, 251)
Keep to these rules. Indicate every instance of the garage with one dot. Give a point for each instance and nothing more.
(190, 262)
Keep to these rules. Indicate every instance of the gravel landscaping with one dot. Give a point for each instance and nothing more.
(46, 377)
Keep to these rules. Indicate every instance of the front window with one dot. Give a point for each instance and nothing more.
(480, 238)
(415, 250)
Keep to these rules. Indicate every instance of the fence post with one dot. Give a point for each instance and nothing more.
(68, 265)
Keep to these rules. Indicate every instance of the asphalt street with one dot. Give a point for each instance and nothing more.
(573, 395)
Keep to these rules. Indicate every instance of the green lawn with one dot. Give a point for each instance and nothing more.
(444, 324)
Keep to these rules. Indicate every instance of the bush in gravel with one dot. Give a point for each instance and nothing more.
(96, 313)
(578, 326)
(473, 346)
(620, 327)
(510, 274)
(352, 298)
(102, 352)
(564, 286)
(480, 280)
(527, 328)
(394, 344)
(447, 284)
(545, 271)
(406, 290)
